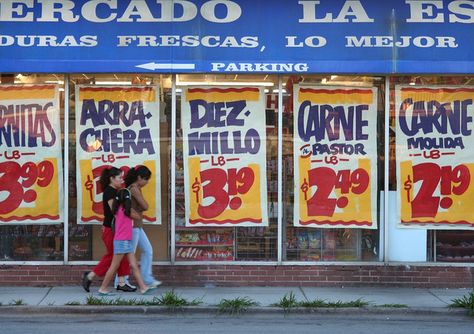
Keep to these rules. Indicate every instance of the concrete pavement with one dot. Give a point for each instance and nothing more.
(413, 298)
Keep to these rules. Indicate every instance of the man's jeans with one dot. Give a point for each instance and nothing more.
(141, 241)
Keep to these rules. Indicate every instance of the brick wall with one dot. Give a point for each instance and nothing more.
(255, 275)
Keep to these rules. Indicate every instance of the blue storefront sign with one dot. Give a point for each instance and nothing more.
(240, 36)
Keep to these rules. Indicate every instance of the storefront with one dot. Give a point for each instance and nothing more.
(327, 143)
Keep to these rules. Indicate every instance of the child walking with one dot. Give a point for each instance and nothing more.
(121, 208)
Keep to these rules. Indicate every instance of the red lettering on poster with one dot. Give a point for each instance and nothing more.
(451, 181)
(18, 190)
(214, 182)
(326, 180)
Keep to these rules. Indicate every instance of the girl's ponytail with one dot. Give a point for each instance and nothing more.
(123, 199)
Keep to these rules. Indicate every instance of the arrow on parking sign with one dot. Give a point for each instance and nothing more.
(157, 66)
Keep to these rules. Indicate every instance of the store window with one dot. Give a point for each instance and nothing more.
(125, 113)
(212, 126)
(310, 233)
(22, 94)
(437, 105)
(333, 126)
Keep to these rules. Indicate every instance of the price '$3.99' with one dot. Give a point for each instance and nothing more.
(16, 181)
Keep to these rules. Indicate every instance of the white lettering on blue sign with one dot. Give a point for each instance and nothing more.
(48, 41)
(135, 11)
(317, 36)
(352, 11)
(423, 11)
(401, 42)
(259, 67)
(188, 41)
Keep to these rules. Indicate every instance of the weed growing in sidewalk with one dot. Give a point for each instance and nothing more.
(466, 302)
(17, 302)
(287, 302)
(313, 303)
(169, 299)
(337, 304)
(102, 301)
(359, 302)
(172, 300)
(94, 301)
(236, 306)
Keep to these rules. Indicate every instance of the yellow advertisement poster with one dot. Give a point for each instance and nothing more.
(435, 156)
(116, 126)
(335, 157)
(30, 154)
(224, 156)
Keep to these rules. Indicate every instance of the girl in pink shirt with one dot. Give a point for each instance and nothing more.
(123, 226)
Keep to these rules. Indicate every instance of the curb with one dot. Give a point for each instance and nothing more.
(84, 309)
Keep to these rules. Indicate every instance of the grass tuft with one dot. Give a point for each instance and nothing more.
(173, 300)
(236, 306)
(288, 301)
(169, 299)
(466, 302)
(313, 303)
(17, 302)
(103, 301)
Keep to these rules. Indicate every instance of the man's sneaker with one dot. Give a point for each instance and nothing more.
(155, 284)
(86, 282)
(126, 288)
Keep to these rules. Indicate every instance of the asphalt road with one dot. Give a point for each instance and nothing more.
(211, 323)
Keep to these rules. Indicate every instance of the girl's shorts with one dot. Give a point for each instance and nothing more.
(123, 246)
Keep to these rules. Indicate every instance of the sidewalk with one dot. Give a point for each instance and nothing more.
(434, 300)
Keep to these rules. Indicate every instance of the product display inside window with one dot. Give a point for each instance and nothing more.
(31, 243)
(227, 165)
(455, 246)
(80, 242)
(330, 245)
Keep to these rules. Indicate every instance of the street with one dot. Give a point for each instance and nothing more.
(210, 323)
